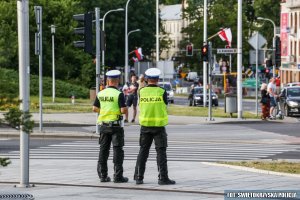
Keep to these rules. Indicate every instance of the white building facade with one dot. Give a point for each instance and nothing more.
(172, 21)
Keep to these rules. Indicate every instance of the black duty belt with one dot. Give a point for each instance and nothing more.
(114, 123)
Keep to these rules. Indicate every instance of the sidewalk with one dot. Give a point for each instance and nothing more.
(193, 178)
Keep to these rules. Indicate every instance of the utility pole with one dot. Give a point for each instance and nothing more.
(256, 75)
(157, 31)
(209, 82)
(204, 62)
(97, 14)
(53, 63)
(24, 64)
(126, 43)
(39, 51)
(239, 60)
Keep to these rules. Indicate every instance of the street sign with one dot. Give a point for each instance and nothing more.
(252, 57)
(225, 51)
(251, 83)
(261, 41)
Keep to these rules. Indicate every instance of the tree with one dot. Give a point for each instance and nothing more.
(223, 13)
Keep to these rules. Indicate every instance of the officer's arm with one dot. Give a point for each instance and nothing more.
(96, 109)
(122, 104)
(165, 97)
(96, 106)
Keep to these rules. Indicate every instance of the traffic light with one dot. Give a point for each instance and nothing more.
(277, 51)
(86, 31)
(250, 13)
(189, 50)
(204, 53)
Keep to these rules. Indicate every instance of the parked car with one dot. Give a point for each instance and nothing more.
(291, 100)
(293, 84)
(196, 97)
(169, 89)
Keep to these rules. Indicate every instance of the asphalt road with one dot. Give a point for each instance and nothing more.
(248, 104)
(213, 142)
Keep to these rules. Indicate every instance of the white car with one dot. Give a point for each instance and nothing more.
(169, 89)
(293, 84)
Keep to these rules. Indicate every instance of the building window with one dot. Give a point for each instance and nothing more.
(296, 22)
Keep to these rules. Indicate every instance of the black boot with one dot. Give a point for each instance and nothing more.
(105, 179)
(121, 180)
(118, 176)
(139, 181)
(166, 181)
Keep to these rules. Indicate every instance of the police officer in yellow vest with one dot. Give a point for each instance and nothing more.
(153, 118)
(110, 104)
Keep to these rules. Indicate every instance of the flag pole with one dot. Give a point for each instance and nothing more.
(211, 37)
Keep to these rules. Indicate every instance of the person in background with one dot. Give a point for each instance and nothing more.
(277, 82)
(125, 91)
(141, 81)
(153, 119)
(132, 98)
(272, 93)
(110, 105)
(265, 101)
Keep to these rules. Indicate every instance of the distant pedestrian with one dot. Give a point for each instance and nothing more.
(272, 93)
(142, 83)
(265, 101)
(132, 98)
(153, 118)
(110, 104)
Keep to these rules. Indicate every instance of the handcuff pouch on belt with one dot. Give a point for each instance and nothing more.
(117, 123)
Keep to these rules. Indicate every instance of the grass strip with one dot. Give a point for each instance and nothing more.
(276, 166)
(203, 112)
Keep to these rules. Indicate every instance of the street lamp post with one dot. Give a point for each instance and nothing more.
(239, 60)
(53, 63)
(157, 31)
(126, 42)
(136, 30)
(103, 29)
(274, 39)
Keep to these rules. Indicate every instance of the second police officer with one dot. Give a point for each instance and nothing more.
(153, 118)
(110, 104)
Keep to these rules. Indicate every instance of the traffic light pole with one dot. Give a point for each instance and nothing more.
(209, 82)
(38, 15)
(239, 61)
(97, 14)
(24, 64)
(204, 62)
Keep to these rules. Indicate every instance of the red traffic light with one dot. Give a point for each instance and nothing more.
(189, 50)
(204, 52)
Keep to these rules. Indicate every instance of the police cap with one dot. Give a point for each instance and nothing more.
(152, 73)
(113, 74)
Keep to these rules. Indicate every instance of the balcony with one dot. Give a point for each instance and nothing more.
(292, 3)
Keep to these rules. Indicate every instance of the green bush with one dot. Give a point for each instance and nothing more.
(9, 81)
(4, 162)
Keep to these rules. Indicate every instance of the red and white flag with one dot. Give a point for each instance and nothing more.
(139, 54)
(225, 35)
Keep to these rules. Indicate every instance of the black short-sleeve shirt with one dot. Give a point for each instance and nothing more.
(121, 100)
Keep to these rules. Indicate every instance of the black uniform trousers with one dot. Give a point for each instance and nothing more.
(108, 135)
(147, 135)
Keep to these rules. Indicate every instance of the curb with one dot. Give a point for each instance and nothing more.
(260, 171)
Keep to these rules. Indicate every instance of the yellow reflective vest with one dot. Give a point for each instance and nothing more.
(109, 102)
(153, 110)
